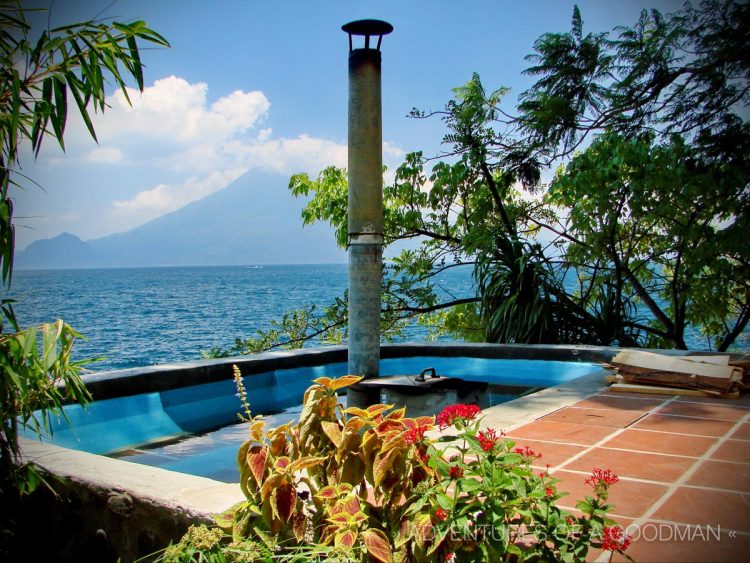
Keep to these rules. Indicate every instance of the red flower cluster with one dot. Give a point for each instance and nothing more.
(453, 413)
(602, 478)
(549, 492)
(441, 514)
(614, 539)
(528, 452)
(488, 439)
(415, 435)
(456, 472)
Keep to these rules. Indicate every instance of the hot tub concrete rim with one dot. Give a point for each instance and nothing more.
(164, 377)
(136, 509)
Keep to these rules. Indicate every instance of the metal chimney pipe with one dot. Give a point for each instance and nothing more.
(365, 204)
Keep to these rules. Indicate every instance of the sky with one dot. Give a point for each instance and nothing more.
(263, 85)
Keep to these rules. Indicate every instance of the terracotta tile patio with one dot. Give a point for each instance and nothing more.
(683, 463)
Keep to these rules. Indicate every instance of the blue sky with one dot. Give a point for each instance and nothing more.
(263, 84)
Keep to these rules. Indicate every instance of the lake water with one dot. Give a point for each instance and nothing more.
(143, 316)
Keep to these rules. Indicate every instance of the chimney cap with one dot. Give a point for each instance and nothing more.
(367, 28)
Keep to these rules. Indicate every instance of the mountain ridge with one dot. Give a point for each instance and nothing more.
(253, 221)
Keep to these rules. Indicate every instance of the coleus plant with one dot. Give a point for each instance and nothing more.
(371, 484)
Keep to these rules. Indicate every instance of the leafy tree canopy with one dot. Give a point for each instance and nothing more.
(638, 238)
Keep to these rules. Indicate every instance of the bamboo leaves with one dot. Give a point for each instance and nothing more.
(37, 78)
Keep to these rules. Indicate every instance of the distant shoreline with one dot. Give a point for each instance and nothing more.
(164, 266)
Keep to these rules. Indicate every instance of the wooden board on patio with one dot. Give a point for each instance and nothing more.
(657, 390)
(647, 368)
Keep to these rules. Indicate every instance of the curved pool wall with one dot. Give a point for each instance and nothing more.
(136, 407)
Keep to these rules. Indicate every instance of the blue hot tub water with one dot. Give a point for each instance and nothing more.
(126, 426)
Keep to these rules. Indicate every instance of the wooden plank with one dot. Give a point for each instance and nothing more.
(639, 375)
(716, 360)
(656, 390)
(742, 363)
(659, 362)
(737, 374)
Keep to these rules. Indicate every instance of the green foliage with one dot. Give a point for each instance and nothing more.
(370, 485)
(38, 76)
(38, 377)
(662, 223)
(291, 332)
(329, 202)
(573, 68)
(460, 322)
(682, 73)
(643, 230)
(518, 290)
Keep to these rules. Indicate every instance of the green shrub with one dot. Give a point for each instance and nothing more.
(370, 484)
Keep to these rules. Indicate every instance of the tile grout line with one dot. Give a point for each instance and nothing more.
(687, 433)
(661, 414)
(682, 480)
(599, 392)
(704, 417)
(660, 483)
(670, 487)
(678, 455)
(639, 521)
(647, 451)
(610, 436)
(737, 405)
(656, 408)
(555, 442)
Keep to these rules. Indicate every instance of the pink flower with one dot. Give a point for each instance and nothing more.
(602, 478)
(415, 435)
(613, 539)
(527, 452)
(488, 438)
(457, 413)
(456, 472)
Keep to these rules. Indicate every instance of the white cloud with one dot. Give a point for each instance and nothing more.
(108, 155)
(165, 198)
(175, 110)
(191, 146)
(265, 134)
(303, 153)
(389, 149)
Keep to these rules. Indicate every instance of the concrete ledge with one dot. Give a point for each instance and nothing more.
(133, 381)
(531, 407)
(107, 507)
